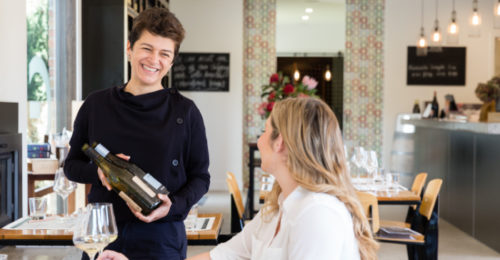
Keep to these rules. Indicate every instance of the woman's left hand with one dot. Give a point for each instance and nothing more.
(156, 214)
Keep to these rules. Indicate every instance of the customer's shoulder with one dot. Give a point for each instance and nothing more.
(312, 202)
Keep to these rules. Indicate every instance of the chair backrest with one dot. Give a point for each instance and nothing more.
(232, 185)
(370, 207)
(430, 196)
(418, 183)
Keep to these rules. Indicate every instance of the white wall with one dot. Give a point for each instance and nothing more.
(217, 26)
(402, 26)
(13, 49)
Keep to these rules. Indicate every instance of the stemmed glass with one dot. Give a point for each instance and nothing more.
(371, 163)
(359, 159)
(63, 187)
(93, 232)
(109, 221)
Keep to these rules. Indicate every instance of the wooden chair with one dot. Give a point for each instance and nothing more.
(424, 244)
(370, 208)
(236, 203)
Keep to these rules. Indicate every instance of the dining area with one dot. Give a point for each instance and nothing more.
(406, 158)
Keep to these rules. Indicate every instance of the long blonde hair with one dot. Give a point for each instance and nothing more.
(316, 160)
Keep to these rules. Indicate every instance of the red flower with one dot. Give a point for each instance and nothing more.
(272, 96)
(274, 78)
(270, 106)
(288, 89)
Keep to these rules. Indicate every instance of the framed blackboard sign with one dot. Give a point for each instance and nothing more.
(201, 72)
(444, 66)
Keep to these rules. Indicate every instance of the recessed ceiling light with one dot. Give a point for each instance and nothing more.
(305, 17)
(309, 10)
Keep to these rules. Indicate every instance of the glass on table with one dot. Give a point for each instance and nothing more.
(93, 230)
(63, 187)
(191, 218)
(38, 207)
(395, 181)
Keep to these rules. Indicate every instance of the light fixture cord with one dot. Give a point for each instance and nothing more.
(437, 2)
(422, 13)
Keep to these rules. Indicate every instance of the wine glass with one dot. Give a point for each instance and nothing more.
(92, 232)
(371, 163)
(63, 187)
(109, 221)
(359, 159)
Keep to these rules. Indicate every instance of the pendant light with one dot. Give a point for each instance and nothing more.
(296, 73)
(436, 35)
(496, 16)
(422, 42)
(475, 20)
(328, 73)
(453, 27)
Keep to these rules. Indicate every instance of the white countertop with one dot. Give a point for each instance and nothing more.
(483, 128)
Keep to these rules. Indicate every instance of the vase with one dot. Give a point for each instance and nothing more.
(485, 109)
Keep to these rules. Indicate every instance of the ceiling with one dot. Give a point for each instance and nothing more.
(324, 11)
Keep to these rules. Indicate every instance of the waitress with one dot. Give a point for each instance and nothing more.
(157, 129)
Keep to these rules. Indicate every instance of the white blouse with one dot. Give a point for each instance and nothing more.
(313, 226)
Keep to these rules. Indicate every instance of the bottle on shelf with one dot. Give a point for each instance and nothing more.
(416, 107)
(140, 195)
(435, 106)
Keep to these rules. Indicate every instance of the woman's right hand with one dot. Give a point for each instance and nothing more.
(111, 255)
(103, 178)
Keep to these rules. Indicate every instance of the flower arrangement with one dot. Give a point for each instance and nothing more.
(281, 87)
(488, 91)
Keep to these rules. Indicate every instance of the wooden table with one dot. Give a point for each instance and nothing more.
(65, 237)
(390, 197)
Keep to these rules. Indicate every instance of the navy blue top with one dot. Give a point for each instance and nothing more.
(162, 132)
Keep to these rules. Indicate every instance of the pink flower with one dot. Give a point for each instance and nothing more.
(274, 78)
(288, 89)
(311, 83)
(261, 109)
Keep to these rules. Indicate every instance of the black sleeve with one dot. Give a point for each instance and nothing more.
(77, 166)
(198, 178)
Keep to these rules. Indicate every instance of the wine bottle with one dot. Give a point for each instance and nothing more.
(129, 187)
(435, 106)
(151, 181)
(416, 107)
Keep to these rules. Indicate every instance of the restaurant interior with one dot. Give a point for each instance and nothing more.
(414, 84)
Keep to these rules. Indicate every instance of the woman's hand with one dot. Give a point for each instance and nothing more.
(111, 255)
(158, 213)
(101, 175)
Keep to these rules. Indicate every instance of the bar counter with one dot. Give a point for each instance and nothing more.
(467, 157)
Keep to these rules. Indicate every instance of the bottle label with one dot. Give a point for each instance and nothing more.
(152, 181)
(129, 201)
(101, 150)
(144, 187)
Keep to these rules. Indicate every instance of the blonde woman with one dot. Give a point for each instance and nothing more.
(313, 211)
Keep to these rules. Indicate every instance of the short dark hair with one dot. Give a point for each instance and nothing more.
(158, 21)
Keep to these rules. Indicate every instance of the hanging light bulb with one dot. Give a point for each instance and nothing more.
(296, 73)
(453, 27)
(328, 73)
(475, 20)
(496, 11)
(436, 35)
(422, 42)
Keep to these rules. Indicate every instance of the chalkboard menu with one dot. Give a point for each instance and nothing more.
(201, 72)
(445, 66)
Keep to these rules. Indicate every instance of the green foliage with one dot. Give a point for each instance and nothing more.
(38, 44)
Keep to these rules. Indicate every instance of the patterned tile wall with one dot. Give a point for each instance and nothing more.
(363, 73)
(259, 62)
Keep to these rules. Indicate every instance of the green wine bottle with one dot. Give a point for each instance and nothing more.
(151, 181)
(129, 187)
